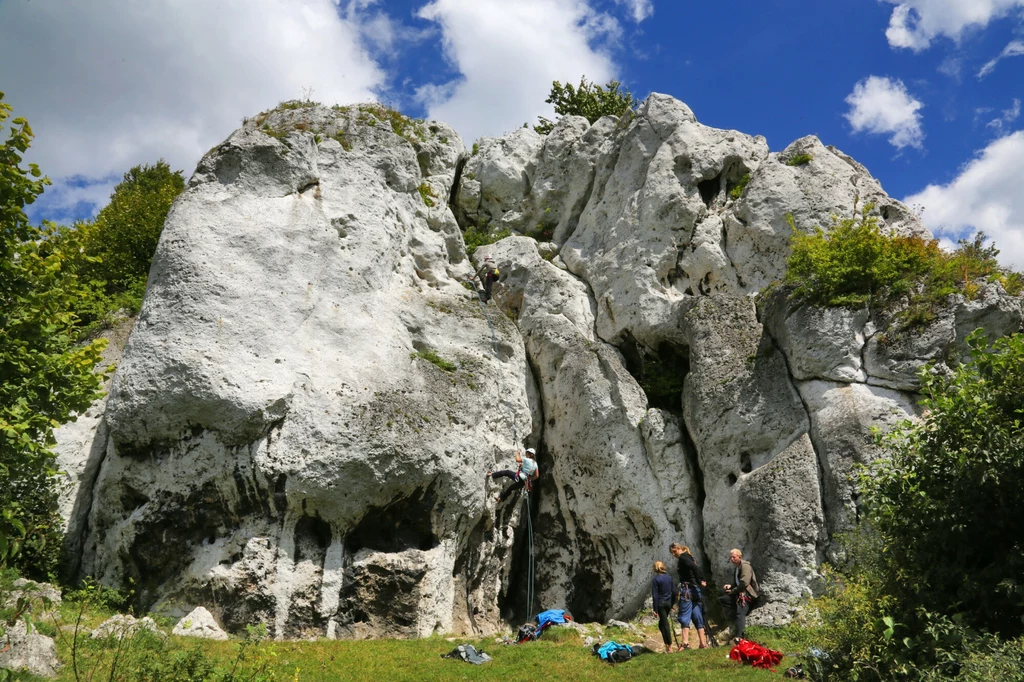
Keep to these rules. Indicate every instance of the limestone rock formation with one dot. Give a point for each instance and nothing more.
(300, 424)
(24, 650)
(124, 625)
(199, 623)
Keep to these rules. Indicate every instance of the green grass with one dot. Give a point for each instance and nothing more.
(431, 356)
(420, 661)
(427, 194)
(559, 654)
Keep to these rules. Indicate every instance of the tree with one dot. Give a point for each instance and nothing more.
(119, 244)
(45, 377)
(933, 581)
(949, 502)
(588, 100)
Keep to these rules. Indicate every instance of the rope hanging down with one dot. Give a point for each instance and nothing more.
(515, 440)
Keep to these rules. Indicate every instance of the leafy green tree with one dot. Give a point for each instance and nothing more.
(934, 581)
(118, 245)
(45, 377)
(588, 100)
(949, 501)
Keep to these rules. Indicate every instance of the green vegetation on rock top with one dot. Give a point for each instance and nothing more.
(855, 263)
(588, 100)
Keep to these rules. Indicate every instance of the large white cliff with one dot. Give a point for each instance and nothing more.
(301, 421)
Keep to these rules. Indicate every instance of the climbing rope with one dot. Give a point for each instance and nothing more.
(529, 571)
(515, 440)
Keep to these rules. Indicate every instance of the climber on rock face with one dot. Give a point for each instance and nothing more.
(525, 474)
(488, 275)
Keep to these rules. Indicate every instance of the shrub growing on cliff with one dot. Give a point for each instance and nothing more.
(588, 100)
(855, 263)
(935, 580)
(44, 376)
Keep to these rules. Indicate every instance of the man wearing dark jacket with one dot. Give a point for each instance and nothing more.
(741, 592)
(691, 580)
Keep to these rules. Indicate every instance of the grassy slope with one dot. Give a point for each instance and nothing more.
(420, 660)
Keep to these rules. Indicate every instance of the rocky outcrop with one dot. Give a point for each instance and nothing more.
(300, 424)
(25, 650)
(124, 625)
(199, 623)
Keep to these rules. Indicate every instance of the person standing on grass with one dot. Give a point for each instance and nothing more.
(691, 580)
(663, 596)
(741, 592)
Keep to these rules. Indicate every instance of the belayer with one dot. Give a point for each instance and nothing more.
(526, 473)
(488, 274)
(742, 593)
(691, 580)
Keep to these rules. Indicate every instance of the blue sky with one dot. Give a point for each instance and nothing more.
(909, 88)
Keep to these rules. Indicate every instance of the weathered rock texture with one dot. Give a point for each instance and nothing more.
(300, 424)
(199, 623)
(24, 650)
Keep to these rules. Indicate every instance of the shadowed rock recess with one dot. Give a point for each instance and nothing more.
(300, 424)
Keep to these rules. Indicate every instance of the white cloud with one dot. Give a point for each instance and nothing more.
(1009, 116)
(108, 84)
(509, 53)
(915, 23)
(1014, 49)
(985, 196)
(640, 9)
(883, 106)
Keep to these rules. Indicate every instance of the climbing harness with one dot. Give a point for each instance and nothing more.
(528, 486)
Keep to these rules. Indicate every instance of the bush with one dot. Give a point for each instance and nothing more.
(737, 191)
(481, 235)
(588, 100)
(933, 581)
(799, 159)
(855, 263)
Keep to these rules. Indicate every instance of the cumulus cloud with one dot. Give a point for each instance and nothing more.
(915, 23)
(985, 197)
(639, 9)
(1014, 49)
(108, 84)
(883, 106)
(508, 53)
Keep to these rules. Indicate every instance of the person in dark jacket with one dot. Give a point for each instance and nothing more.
(663, 596)
(691, 580)
(741, 593)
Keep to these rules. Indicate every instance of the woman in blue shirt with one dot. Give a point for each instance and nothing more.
(525, 475)
(663, 597)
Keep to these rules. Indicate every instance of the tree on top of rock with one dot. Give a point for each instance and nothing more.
(588, 100)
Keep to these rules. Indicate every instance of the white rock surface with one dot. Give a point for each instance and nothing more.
(601, 516)
(271, 417)
(199, 623)
(286, 439)
(28, 651)
(124, 625)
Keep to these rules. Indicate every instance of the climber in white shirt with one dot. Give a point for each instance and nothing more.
(525, 475)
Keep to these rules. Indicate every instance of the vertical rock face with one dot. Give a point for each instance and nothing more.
(300, 424)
